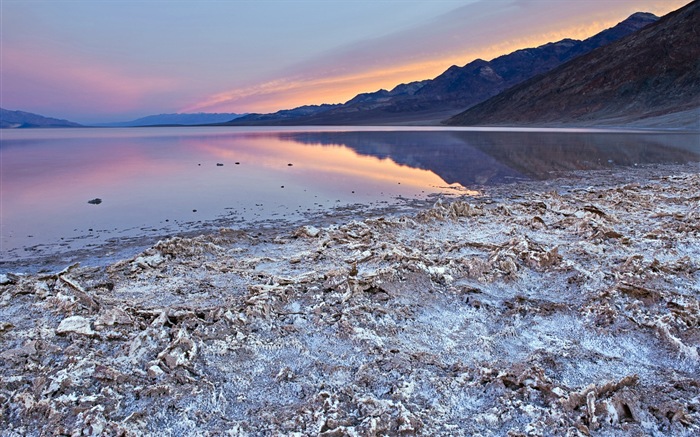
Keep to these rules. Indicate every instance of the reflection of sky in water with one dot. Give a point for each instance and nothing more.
(146, 180)
(152, 179)
(488, 156)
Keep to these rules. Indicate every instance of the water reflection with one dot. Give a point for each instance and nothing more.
(481, 158)
(180, 180)
(166, 180)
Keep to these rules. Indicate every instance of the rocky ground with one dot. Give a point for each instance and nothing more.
(568, 311)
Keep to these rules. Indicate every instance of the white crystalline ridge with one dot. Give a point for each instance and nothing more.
(75, 325)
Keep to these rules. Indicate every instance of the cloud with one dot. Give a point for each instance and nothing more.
(77, 64)
(38, 79)
(483, 29)
(313, 87)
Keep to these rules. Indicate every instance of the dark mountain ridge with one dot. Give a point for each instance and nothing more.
(402, 90)
(455, 89)
(20, 120)
(650, 73)
(283, 115)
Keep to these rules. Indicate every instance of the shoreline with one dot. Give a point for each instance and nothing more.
(565, 306)
(55, 258)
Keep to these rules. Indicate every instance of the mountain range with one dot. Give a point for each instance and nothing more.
(20, 119)
(452, 91)
(651, 74)
(644, 71)
(175, 120)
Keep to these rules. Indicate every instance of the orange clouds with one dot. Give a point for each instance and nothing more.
(288, 93)
(475, 31)
(86, 64)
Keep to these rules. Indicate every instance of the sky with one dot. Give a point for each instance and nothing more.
(94, 61)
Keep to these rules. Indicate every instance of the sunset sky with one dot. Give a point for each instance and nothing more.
(99, 61)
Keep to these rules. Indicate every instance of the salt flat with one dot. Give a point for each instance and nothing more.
(571, 309)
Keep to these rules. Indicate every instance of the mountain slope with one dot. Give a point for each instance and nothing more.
(175, 119)
(651, 73)
(283, 115)
(458, 87)
(20, 119)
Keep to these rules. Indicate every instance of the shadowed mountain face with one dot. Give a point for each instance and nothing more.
(452, 91)
(650, 73)
(175, 119)
(19, 119)
(480, 80)
(283, 116)
(484, 158)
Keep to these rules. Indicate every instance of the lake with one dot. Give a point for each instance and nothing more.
(161, 181)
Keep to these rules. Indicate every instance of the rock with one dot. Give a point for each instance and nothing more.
(20, 353)
(114, 316)
(179, 352)
(75, 325)
(149, 261)
(95, 201)
(155, 371)
(8, 278)
(308, 231)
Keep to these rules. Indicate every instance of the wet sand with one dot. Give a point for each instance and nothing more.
(564, 307)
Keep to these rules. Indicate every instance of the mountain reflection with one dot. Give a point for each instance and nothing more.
(484, 158)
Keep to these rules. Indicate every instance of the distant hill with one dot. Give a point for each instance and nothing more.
(457, 88)
(19, 119)
(652, 73)
(176, 119)
(285, 114)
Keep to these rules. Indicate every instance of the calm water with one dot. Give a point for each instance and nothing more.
(164, 180)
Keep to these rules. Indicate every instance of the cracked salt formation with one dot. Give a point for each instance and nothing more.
(558, 313)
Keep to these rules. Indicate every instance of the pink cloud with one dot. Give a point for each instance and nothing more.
(37, 79)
